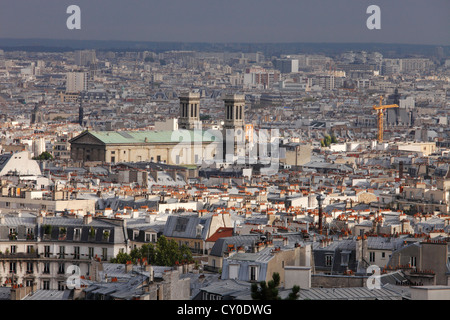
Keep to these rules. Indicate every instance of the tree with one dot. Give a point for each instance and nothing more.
(266, 291)
(333, 139)
(327, 140)
(121, 258)
(294, 294)
(44, 156)
(269, 291)
(164, 253)
(168, 253)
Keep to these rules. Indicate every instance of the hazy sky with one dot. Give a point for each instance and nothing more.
(402, 21)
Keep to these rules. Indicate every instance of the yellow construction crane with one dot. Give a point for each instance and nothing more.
(380, 114)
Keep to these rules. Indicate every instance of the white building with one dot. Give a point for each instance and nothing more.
(19, 163)
(76, 81)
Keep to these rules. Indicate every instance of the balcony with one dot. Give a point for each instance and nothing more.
(12, 236)
(19, 256)
(47, 237)
(62, 237)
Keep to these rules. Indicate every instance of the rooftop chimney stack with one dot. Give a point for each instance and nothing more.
(320, 198)
(87, 219)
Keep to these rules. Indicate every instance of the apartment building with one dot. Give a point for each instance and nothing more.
(46, 250)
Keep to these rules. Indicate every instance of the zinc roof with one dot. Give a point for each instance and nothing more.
(126, 137)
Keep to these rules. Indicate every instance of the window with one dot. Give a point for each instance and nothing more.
(61, 286)
(328, 260)
(147, 237)
(47, 251)
(30, 249)
(91, 253)
(76, 252)
(181, 224)
(12, 267)
(253, 274)
(13, 249)
(46, 285)
(29, 283)
(62, 252)
(135, 234)
(61, 268)
(29, 267)
(46, 268)
(413, 261)
(383, 254)
(104, 254)
(77, 234)
(345, 257)
(233, 271)
(372, 256)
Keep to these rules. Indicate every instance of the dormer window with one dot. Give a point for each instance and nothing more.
(77, 234)
(92, 232)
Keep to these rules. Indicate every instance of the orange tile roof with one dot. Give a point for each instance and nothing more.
(220, 233)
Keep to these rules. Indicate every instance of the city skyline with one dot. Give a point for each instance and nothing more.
(402, 22)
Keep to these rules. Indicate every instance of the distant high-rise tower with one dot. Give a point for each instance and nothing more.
(439, 53)
(189, 111)
(76, 81)
(85, 58)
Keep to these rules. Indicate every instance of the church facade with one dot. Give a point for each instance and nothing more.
(186, 146)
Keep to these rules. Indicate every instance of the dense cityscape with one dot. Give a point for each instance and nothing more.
(228, 159)
(101, 201)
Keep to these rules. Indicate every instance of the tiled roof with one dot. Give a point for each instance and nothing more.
(220, 233)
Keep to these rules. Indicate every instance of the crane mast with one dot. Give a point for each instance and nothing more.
(380, 117)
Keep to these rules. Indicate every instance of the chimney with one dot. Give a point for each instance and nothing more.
(322, 243)
(148, 218)
(236, 224)
(128, 266)
(40, 219)
(87, 219)
(320, 198)
(18, 292)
